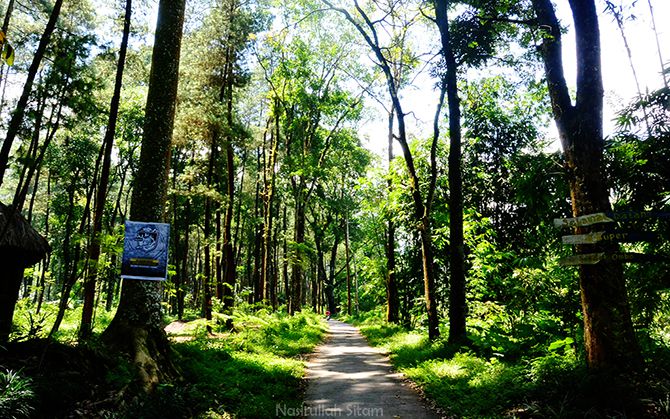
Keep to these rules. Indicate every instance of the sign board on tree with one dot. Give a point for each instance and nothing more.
(608, 217)
(593, 258)
(584, 220)
(604, 236)
(145, 251)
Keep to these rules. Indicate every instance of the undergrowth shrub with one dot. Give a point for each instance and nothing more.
(16, 395)
(247, 372)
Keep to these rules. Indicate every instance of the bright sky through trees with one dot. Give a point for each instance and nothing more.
(617, 74)
(421, 98)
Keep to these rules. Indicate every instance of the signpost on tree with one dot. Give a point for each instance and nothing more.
(594, 258)
(608, 217)
(608, 236)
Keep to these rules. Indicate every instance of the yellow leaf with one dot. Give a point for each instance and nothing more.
(8, 54)
(2, 37)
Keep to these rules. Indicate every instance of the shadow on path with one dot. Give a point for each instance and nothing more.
(348, 378)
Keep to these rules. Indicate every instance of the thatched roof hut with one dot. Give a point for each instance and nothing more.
(19, 238)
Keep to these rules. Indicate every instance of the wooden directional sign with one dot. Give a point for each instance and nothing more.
(593, 258)
(584, 220)
(587, 259)
(637, 215)
(608, 217)
(604, 236)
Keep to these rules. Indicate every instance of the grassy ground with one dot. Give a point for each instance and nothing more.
(246, 373)
(465, 383)
(249, 373)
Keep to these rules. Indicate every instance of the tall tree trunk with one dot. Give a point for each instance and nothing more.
(176, 239)
(315, 286)
(47, 260)
(8, 16)
(240, 223)
(457, 303)
(330, 282)
(86, 325)
(17, 116)
(137, 326)
(33, 195)
(322, 277)
(256, 277)
(347, 257)
(69, 262)
(274, 275)
(268, 197)
(207, 274)
(198, 268)
(228, 249)
(256, 274)
(608, 332)
(295, 292)
(218, 266)
(181, 291)
(392, 301)
(207, 232)
(285, 279)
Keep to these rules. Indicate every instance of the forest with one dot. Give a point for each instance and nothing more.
(455, 178)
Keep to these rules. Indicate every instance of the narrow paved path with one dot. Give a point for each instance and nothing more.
(348, 378)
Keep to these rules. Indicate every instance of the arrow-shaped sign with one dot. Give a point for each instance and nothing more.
(584, 220)
(608, 217)
(593, 258)
(586, 259)
(615, 236)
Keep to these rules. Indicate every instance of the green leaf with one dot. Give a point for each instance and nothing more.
(556, 345)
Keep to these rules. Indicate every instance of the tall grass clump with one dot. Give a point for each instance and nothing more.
(16, 395)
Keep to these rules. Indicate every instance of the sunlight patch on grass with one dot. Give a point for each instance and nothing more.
(474, 384)
(248, 372)
(469, 386)
(449, 370)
